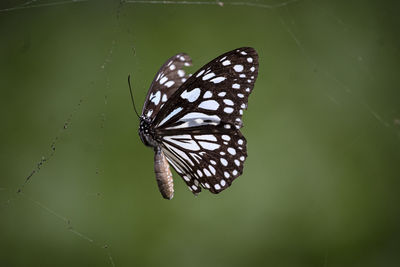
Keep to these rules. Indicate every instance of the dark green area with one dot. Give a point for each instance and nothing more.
(321, 183)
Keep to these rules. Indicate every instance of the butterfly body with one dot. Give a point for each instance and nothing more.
(161, 167)
(192, 121)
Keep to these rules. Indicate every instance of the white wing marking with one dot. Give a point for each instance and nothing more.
(185, 141)
(173, 113)
(180, 153)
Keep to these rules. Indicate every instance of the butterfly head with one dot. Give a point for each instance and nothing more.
(146, 132)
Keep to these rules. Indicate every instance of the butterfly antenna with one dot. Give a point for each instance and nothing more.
(130, 90)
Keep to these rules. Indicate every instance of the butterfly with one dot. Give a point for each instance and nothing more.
(192, 121)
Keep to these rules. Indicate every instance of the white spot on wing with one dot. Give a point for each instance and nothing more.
(181, 73)
(156, 98)
(226, 62)
(218, 79)
(228, 102)
(228, 110)
(200, 73)
(163, 80)
(207, 94)
(209, 104)
(238, 68)
(224, 161)
(222, 94)
(208, 76)
(192, 95)
(226, 137)
(207, 172)
(169, 83)
(231, 151)
(212, 169)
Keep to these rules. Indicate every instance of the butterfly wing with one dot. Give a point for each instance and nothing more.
(212, 160)
(167, 80)
(199, 125)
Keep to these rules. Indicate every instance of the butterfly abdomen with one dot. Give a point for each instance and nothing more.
(163, 174)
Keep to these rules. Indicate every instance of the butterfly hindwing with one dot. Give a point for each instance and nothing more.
(212, 160)
(167, 80)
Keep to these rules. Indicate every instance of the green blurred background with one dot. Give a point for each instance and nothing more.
(320, 185)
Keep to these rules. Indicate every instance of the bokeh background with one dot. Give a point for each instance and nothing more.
(320, 185)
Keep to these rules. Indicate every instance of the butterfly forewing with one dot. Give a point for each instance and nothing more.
(199, 125)
(167, 80)
(216, 93)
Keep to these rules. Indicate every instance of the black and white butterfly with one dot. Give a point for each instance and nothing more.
(193, 121)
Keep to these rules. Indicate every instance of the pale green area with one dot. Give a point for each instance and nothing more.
(321, 183)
